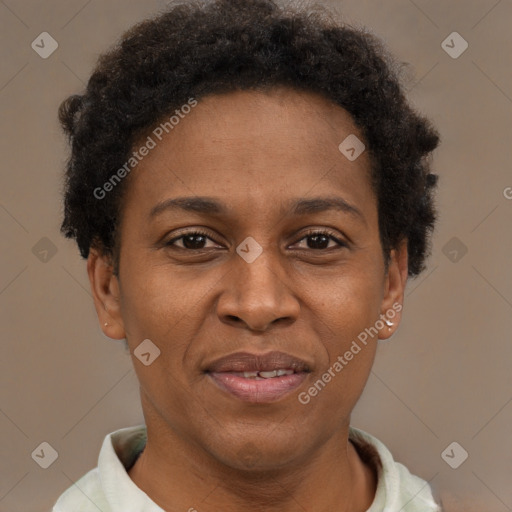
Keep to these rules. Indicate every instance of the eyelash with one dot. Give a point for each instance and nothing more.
(310, 233)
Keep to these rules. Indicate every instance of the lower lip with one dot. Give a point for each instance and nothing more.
(258, 391)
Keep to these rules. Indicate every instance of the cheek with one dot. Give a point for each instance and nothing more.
(349, 302)
(349, 357)
(167, 308)
(345, 315)
(156, 300)
(155, 309)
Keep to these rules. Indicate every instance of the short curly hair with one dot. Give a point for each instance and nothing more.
(201, 47)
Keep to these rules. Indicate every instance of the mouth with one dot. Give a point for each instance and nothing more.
(258, 378)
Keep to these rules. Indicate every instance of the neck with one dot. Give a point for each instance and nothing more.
(178, 474)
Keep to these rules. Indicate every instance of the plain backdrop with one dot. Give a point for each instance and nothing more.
(445, 375)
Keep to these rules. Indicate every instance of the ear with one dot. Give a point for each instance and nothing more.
(105, 291)
(394, 288)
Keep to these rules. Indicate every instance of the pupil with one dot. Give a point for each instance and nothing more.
(322, 239)
(188, 241)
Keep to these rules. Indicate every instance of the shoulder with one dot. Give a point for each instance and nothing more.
(108, 485)
(397, 487)
(85, 495)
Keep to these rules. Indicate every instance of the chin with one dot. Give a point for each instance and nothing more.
(257, 453)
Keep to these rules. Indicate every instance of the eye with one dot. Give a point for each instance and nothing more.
(192, 240)
(197, 240)
(320, 239)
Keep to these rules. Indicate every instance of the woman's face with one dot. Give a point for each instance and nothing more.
(256, 279)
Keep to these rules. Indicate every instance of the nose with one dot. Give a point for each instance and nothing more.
(257, 295)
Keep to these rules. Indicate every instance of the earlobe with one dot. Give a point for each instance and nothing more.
(105, 292)
(395, 282)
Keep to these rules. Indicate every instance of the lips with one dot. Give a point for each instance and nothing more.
(258, 378)
(247, 362)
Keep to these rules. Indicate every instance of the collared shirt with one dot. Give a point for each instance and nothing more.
(109, 488)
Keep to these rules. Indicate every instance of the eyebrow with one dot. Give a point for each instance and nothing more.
(211, 206)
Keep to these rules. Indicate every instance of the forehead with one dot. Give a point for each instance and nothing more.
(254, 145)
(274, 121)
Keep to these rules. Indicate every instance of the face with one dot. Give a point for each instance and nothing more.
(278, 266)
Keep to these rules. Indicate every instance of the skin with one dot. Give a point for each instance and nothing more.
(254, 152)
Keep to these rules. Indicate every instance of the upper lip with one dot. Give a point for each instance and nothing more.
(247, 362)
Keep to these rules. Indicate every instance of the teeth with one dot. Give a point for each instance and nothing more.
(267, 375)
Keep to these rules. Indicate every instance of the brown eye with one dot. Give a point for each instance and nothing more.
(318, 240)
(193, 240)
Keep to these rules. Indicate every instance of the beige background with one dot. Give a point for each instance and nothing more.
(445, 376)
